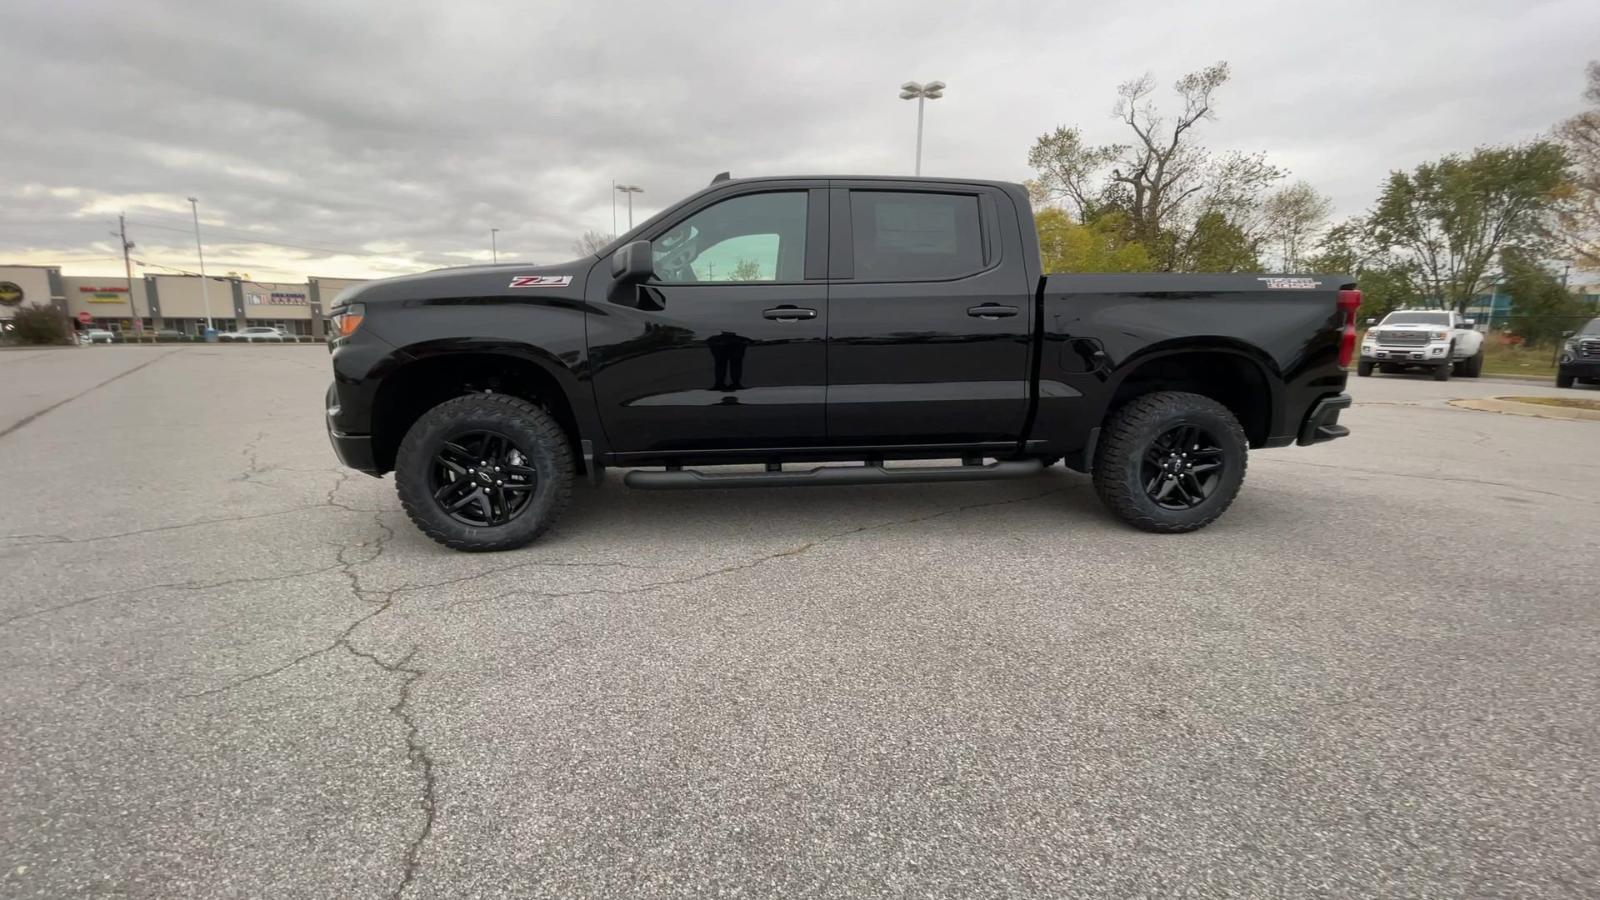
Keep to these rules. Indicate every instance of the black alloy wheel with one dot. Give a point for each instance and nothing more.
(482, 478)
(1183, 467)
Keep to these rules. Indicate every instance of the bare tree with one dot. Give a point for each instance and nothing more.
(590, 243)
(1164, 181)
(1292, 219)
(1578, 212)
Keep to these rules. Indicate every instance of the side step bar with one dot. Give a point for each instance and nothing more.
(681, 479)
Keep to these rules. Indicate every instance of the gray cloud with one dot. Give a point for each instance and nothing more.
(406, 131)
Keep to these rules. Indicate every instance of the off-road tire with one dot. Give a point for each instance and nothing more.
(534, 432)
(1442, 371)
(1563, 380)
(1474, 366)
(1364, 369)
(1133, 428)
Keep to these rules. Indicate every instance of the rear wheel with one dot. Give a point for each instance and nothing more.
(1170, 462)
(484, 472)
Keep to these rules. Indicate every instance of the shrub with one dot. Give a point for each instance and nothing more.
(32, 324)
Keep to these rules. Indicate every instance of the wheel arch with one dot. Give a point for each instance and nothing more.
(1238, 375)
(433, 374)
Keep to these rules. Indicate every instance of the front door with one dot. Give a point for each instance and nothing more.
(929, 320)
(724, 347)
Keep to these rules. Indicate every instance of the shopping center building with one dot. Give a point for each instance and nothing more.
(180, 303)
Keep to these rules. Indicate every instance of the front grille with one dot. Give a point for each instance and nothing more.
(1402, 338)
(1589, 349)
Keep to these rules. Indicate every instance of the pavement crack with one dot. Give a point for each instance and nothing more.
(28, 419)
(191, 585)
(797, 550)
(416, 752)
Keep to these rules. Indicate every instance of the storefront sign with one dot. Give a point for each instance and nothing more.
(10, 293)
(105, 294)
(284, 298)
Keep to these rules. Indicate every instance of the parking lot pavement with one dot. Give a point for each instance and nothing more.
(233, 670)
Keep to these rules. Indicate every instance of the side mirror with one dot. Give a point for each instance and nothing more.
(1566, 334)
(1372, 321)
(632, 263)
(1469, 323)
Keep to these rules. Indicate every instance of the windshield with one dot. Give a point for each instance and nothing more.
(1591, 329)
(1417, 318)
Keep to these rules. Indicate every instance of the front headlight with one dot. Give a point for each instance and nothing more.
(1438, 335)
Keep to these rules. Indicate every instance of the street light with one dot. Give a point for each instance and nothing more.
(933, 90)
(494, 246)
(630, 190)
(205, 296)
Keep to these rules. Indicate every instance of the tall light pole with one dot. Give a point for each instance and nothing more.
(613, 209)
(630, 190)
(205, 296)
(494, 245)
(933, 90)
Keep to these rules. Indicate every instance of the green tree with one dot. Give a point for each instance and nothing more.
(1099, 246)
(1217, 245)
(1163, 181)
(1450, 218)
(1386, 283)
(1541, 307)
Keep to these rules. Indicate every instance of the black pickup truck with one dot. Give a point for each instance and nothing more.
(781, 323)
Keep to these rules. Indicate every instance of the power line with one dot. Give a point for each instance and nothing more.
(241, 240)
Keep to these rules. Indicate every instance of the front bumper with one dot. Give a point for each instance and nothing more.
(1322, 423)
(1581, 367)
(353, 450)
(1428, 354)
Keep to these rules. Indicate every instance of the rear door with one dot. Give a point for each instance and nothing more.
(723, 348)
(930, 317)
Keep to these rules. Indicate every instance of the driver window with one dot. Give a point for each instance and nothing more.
(750, 238)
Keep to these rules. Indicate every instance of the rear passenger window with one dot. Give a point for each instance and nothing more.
(903, 236)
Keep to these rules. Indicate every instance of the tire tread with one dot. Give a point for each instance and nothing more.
(1120, 443)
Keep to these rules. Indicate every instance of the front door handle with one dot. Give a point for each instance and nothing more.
(789, 313)
(992, 311)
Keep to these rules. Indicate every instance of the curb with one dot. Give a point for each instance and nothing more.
(1511, 407)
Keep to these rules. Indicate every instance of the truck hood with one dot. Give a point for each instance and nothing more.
(565, 280)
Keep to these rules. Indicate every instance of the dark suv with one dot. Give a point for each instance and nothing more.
(1580, 356)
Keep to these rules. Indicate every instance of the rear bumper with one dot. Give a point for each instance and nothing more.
(1322, 423)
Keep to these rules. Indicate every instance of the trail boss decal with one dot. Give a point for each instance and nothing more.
(522, 281)
(1291, 284)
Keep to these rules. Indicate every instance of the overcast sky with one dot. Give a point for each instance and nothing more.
(389, 137)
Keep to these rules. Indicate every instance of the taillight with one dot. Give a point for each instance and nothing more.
(347, 319)
(1349, 302)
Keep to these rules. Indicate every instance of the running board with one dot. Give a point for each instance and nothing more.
(682, 479)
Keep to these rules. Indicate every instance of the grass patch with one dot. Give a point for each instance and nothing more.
(1501, 359)
(1568, 402)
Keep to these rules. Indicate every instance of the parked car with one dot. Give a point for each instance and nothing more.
(256, 333)
(1580, 356)
(96, 336)
(795, 321)
(1434, 339)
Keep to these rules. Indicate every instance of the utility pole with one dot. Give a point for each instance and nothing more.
(613, 209)
(205, 297)
(127, 270)
(494, 246)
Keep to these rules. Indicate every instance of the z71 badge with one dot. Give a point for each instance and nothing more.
(1292, 284)
(522, 281)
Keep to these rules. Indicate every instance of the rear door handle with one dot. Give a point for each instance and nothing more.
(789, 313)
(991, 311)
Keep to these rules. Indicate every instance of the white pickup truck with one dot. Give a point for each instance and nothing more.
(1436, 339)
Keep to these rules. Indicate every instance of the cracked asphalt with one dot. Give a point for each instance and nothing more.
(233, 670)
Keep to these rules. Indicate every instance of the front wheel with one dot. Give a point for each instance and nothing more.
(1170, 462)
(1475, 365)
(1441, 372)
(484, 472)
(1363, 368)
(1563, 380)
